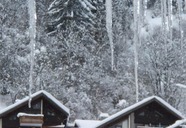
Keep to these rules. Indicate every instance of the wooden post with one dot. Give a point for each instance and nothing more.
(41, 106)
(42, 109)
(131, 121)
(1, 123)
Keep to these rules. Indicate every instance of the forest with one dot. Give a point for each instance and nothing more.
(84, 53)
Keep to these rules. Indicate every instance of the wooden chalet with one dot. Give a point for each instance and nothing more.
(151, 112)
(45, 112)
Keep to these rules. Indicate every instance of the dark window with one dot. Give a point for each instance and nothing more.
(51, 112)
(37, 106)
(13, 117)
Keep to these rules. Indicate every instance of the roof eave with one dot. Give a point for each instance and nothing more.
(154, 98)
(25, 101)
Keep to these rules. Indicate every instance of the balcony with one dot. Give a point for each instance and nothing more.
(30, 119)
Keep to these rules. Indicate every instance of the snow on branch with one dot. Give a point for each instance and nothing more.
(181, 85)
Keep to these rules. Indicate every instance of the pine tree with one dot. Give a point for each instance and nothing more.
(67, 12)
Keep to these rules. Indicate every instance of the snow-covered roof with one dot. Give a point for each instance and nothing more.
(32, 115)
(37, 94)
(87, 123)
(142, 103)
(177, 123)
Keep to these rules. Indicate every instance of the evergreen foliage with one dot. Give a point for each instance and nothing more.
(64, 13)
(72, 54)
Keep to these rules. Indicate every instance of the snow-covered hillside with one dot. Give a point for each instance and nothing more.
(76, 62)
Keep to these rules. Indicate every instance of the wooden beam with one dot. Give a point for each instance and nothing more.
(41, 106)
(1, 124)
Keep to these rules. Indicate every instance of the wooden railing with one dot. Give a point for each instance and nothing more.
(31, 120)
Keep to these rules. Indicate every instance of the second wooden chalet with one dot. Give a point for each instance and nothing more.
(46, 112)
(151, 112)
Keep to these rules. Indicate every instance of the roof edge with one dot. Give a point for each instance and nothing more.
(135, 106)
(26, 99)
